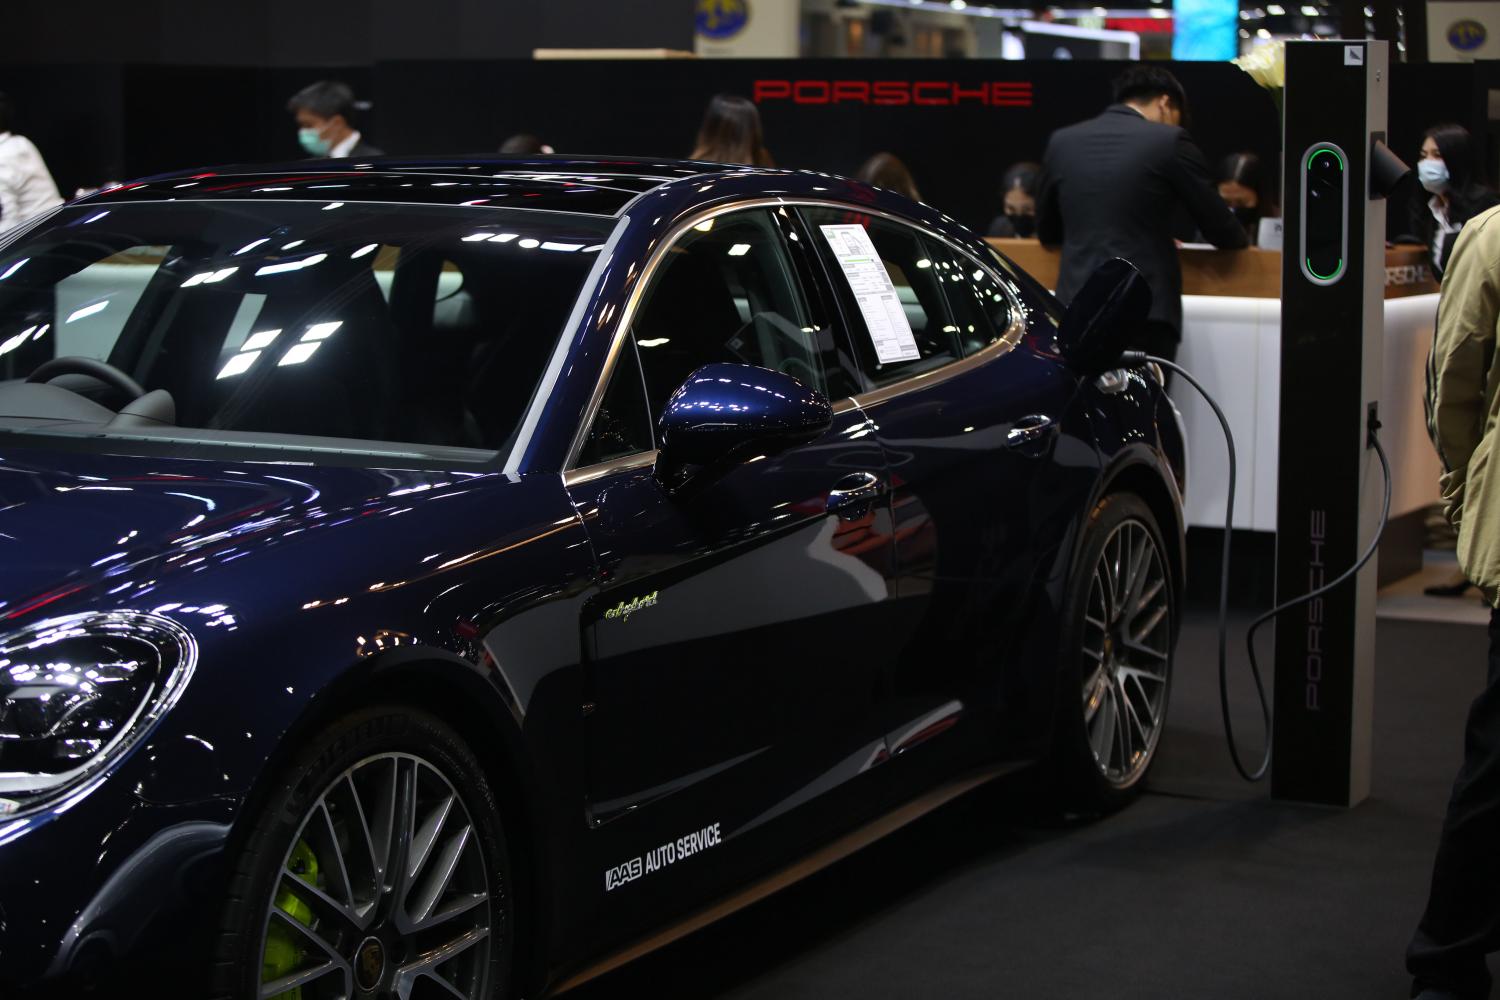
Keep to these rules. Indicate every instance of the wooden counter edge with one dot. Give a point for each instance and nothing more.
(1252, 273)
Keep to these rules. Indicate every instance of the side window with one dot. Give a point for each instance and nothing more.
(623, 425)
(981, 309)
(726, 291)
(916, 275)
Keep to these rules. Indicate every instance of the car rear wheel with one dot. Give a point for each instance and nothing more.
(377, 869)
(1117, 656)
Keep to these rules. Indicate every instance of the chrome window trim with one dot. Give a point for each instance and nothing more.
(1004, 344)
(589, 473)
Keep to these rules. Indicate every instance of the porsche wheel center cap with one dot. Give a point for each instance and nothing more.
(369, 964)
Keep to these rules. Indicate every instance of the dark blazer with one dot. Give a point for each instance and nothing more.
(1109, 188)
(364, 150)
(1462, 206)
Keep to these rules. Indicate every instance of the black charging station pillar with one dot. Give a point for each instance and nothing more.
(1329, 482)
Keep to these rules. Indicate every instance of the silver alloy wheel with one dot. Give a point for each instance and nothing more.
(1127, 643)
(383, 893)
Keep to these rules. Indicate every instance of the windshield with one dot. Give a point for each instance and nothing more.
(377, 323)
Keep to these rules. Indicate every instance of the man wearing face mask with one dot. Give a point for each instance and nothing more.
(1111, 186)
(325, 113)
(1452, 191)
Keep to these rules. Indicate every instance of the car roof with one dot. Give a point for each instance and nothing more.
(588, 185)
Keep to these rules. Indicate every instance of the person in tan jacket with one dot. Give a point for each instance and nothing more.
(1461, 924)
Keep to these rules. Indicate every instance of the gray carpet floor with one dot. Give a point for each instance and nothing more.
(1201, 888)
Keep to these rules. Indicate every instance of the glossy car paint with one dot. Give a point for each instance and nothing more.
(794, 672)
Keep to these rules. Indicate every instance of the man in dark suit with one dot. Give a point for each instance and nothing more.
(1111, 187)
(325, 113)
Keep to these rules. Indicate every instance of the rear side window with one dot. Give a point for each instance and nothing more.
(916, 275)
(982, 311)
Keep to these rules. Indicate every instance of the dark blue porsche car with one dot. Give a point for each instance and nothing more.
(455, 578)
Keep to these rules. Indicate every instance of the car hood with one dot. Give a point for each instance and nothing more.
(72, 522)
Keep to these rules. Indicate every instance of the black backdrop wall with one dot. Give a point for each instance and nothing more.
(957, 124)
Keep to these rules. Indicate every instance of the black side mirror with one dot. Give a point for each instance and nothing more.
(725, 413)
(1105, 318)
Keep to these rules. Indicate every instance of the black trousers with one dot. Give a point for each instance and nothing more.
(1462, 921)
(1160, 339)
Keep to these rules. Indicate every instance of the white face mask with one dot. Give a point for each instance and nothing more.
(1433, 174)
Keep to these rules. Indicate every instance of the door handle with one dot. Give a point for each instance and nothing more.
(1029, 430)
(852, 495)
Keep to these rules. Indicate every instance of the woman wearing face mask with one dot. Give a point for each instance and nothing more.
(1018, 219)
(1242, 184)
(1453, 192)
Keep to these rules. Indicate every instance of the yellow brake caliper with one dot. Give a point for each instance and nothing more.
(283, 954)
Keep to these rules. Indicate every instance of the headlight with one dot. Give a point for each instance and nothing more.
(77, 692)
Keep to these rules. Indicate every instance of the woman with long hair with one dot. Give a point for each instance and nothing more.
(1017, 218)
(1247, 188)
(731, 133)
(885, 170)
(1453, 190)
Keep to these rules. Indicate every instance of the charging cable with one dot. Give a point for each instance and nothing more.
(1372, 440)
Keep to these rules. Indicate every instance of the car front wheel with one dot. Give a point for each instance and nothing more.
(377, 869)
(1117, 656)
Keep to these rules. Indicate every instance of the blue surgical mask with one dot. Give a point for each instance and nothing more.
(313, 142)
(1433, 174)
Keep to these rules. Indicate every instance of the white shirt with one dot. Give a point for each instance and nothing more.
(26, 188)
(346, 146)
(1440, 235)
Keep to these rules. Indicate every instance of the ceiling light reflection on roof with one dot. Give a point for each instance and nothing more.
(739, 250)
(251, 246)
(653, 342)
(16, 341)
(291, 265)
(14, 268)
(209, 277)
(321, 331)
(563, 247)
(529, 243)
(502, 238)
(367, 248)
(260, 341)
(476, 237)
(298, 354)
(237, 365)
(88, 310)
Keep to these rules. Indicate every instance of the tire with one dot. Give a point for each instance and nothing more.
(1115, 680)
(318, 882)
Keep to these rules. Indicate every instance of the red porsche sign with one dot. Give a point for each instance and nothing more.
(895, 93)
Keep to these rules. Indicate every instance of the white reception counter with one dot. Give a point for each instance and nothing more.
(1232, 344)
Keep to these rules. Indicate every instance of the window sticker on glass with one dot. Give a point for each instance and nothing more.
(877, 298)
